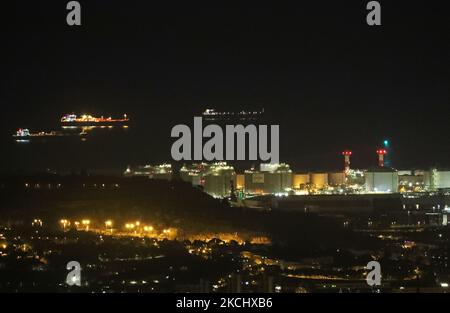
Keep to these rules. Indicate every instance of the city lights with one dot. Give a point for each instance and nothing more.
(148, 228)
(225, 156)
(37, 222)
(64, 223)
(86, 224)
(109, 225)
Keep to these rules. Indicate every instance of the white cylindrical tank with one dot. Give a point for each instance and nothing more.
(381, 180)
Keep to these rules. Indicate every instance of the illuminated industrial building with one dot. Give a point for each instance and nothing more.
(162, 171)
(300, 180)
(355, 177)
(240, 181)
(215, 178)
(336, 178)
(382, 180)
(193, 173)
(411, 181)
(436, 179)
(219, 179)
(319, 180)
(271, 178)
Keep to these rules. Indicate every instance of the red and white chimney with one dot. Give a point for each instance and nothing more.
(346, 155)
(381, 153)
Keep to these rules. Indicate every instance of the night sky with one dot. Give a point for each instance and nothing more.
(330, 81)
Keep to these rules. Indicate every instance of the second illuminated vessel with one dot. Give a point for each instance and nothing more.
(89, 120)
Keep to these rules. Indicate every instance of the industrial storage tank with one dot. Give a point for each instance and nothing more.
(319, 180)
(277, 182)
(219, 184)
(299, 180)
(437, 179)
(240, 181)
(272, 179)
(218, 179)
(381, 179)
(254, 182)
(336, 178)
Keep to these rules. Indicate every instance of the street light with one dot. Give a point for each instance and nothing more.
(86, 224)
(148, 228)
(37, 222)
(64, 223)
(109, 224)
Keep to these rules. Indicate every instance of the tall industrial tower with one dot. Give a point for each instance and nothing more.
(381, 153)
(346, 155)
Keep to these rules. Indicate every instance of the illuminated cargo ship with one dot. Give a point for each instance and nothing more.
(214, 115)
(89, 120)
(24, 134)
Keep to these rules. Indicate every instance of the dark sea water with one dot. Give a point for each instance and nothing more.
(107, 150)
(303, 144)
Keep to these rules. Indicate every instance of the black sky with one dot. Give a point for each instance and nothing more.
(330, 80)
